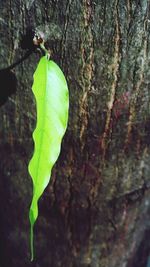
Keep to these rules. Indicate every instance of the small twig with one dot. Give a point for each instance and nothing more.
(37, 42)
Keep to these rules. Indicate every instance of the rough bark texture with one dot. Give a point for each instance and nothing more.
(96, 210)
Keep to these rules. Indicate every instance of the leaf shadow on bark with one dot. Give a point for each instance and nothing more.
(8, 82)
(8, 79)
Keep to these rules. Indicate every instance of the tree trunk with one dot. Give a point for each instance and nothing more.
(96, 210)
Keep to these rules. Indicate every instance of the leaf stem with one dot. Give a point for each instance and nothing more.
(31, 243)
(47, 52)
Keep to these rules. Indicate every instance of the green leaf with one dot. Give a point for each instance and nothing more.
(52, 101)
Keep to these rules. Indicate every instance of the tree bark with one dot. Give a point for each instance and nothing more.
(96, 210)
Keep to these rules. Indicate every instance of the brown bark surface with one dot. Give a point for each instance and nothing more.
(96, 209)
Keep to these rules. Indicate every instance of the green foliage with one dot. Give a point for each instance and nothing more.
(52, 101)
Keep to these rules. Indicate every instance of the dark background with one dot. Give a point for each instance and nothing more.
(96, 209)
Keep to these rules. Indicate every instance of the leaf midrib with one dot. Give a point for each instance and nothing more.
(43, 126)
